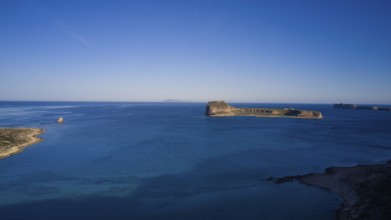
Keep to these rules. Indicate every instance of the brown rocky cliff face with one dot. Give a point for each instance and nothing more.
(310, 114)
(219, 108)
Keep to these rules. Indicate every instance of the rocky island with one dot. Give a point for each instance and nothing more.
(14, 140)
(365, 189)
(361, 107)
(221, 108)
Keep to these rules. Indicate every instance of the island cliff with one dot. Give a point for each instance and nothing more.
(221, 108)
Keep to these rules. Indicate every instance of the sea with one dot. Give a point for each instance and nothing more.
(170, 161)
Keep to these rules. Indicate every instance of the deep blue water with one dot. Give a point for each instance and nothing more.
(169, 161)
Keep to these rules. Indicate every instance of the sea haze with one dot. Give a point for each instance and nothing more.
(170, 161)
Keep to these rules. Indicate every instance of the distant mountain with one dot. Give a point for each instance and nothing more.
(174, 100)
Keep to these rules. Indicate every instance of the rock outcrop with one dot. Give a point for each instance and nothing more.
(221, 108)
(60, 120)
(365, 189)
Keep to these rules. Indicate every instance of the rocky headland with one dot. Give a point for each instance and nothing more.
(361, 107)
(14, 140)
(221, 108)
(364, 189)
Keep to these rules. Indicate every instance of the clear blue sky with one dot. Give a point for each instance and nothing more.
(310, 51)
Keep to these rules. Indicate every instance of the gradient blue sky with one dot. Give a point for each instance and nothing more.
(310, 51)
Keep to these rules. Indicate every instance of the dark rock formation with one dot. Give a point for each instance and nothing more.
(361, 107)
(384, 108)
(365, 189)
(345, 106)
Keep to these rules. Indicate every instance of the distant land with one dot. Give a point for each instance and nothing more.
(174, 100)
(361, 107)
(14, 140)
(221, 108)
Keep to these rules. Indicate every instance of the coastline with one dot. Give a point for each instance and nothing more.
(15, 140)
(364, 189)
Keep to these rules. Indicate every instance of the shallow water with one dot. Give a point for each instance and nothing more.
(169, 161)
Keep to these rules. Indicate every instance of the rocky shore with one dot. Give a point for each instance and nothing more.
(364, 189)
(221, 108)
(14, 140)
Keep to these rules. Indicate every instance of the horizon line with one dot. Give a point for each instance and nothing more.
(189, 101)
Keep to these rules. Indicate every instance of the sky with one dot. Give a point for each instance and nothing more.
(313, 51)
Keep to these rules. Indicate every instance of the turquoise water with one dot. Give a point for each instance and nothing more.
(169, 161)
